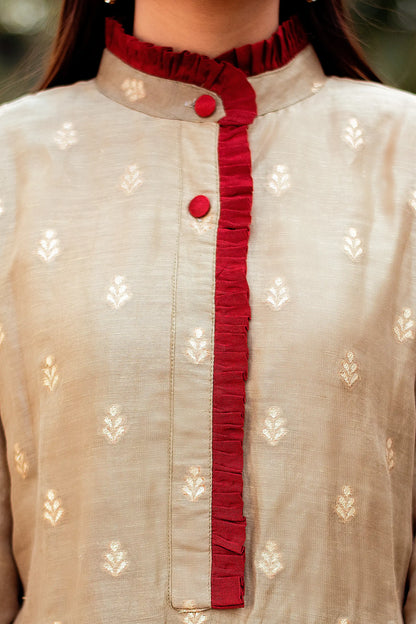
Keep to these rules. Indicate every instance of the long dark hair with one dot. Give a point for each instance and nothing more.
(80, 40)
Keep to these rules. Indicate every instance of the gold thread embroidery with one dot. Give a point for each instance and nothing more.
(22, 465)
(269, 561)
(404, 328)
(114, 425)
(279, 180)
(345, 505)
(50, 376)
(353, 135)
(131, 180)
(274, 428)
(48, 246)
(115, 559)
(133, 89)
(66, 136)
(194, 487)
(197, 350)
(389, 454)
(349, 371)
(53, 509)
(278, 294)
(118, 293)
(352, 245)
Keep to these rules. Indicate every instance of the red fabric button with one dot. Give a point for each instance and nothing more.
(199, 206)
(205, 105)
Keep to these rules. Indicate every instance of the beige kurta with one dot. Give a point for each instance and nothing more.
(107, 314)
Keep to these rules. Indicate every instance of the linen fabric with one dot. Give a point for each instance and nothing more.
(208, 420)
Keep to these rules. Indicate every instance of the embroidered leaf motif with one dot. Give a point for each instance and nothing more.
(412, 200)
(345, 505)
(194, 487)
(133, 89)
(118, 292)
(194, 618)
(48, 246)
(66, 136)
(278, 294)
(389, 454)
(269, 562)
(317, 86)
(50, 376)
(115, 559)
(352, 246)
(53, 509)
(202, 224)
(353, 135)
(197, 350)
(279, 180)
(22, 466)
(349, 371)
(131, 180)
(114, 425)
(404, 328)
(274, 428)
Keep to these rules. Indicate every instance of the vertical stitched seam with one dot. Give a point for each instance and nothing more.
(172, 359)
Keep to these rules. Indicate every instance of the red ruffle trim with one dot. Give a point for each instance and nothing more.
(232, 309)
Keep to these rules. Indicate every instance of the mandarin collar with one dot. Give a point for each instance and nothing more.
(245, 82)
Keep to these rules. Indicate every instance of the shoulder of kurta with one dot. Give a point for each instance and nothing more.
(45, 107)
(370, 97)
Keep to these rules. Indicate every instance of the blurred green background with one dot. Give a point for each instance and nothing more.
(386, 28)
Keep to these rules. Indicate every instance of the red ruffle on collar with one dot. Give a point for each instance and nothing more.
(288, 40)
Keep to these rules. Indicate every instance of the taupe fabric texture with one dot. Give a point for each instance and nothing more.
(106, 355)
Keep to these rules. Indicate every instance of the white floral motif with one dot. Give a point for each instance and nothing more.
(133, 89)
(274, 428)
(48, 246)
(50, 376)
(404, 328)
(66, 136)
(317, 86)
(131, 180)
(412, 200)
(114, 425)
(194, 487)
(345, 505)
(349, 371)
(278, 294)
(279, 180)
(389, 454)
(53, 509)
(118, 292)
(353, 134)
(352, 246)
(197, 350)
(269, 562)
(202, 224)
(194, 618)
(115, 559)
(22, 466)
